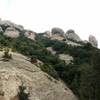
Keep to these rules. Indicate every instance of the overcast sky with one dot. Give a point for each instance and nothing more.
(40, 15)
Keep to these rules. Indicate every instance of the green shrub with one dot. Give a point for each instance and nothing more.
(7, 56)
(21, 94)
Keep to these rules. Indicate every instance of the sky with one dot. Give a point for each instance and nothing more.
(41, 15)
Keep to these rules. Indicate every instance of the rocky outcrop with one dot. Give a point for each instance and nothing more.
(57, 37)
(8, 23)
(30, 34)
(71, 35)
(11, 32)
(40, 85)
(57, 31)
(47, 34)
(93, 41)
(65, 57)
(72, 43)
(57, 34)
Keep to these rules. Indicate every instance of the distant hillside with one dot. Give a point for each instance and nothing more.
(64, 56)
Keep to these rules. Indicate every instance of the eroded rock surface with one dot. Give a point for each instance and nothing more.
(19, 71)
(11, 32)
(71, 35)
(30, 34)
(67, 58)
(57, 31)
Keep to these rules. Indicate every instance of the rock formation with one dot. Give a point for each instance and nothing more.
(71, 35)
(11, 32)
(72, 43)
(57, 34)
(57, 31)
(40, 85)
(8, 23)
(93, 41)
(30, 34)
(47, 34)
(66, 58)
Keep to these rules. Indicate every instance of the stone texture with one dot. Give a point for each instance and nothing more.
(57, 31)
(93, 41)
(47, 34)
(19, 71)
(70, 34)
(85, 41)
(6, 23)
(11, 24)
(19, 27)
(65, 57)
(72, 43)
(30, 34)
(11, 32)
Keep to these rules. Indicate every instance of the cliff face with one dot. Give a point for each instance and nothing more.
(41, 86)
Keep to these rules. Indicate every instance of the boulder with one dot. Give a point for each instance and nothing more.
(8, 23)
(71, 35)
(93, 41)
(57, 31)
(67, 58)
(72, 43)
(47, 34)
(30, 34)
(11, 32)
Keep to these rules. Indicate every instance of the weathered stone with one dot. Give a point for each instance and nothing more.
(6, 23)
(47, 34)
(57, 31)
(19, 71)
(72, 43)
(30, 34)
(93, 41)
(19, 27)
(65, 57)
(70, 34)
(11, 32)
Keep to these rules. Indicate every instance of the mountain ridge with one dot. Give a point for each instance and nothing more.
(63, 59)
